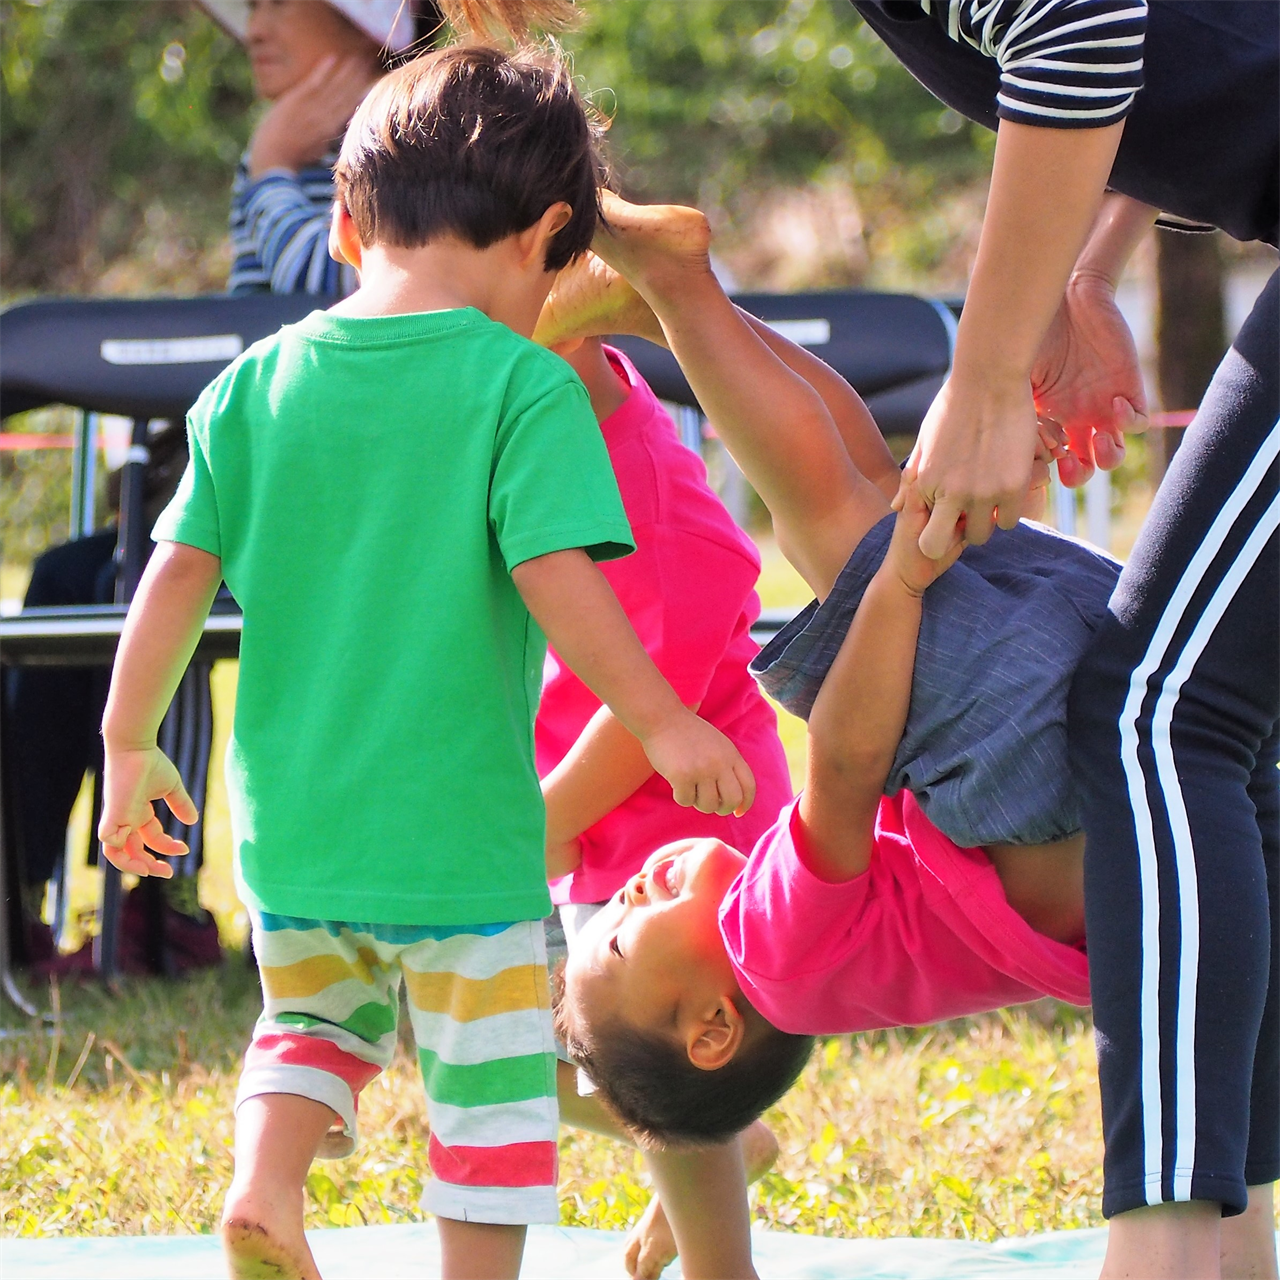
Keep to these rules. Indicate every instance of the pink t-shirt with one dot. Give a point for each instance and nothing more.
(925, 933)
(689, 590)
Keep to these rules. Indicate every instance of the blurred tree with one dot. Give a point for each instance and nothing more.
(120, 124)
(709, 96)
(121, 121)
(722, 102)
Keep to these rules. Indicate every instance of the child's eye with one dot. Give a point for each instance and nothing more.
(613, 946)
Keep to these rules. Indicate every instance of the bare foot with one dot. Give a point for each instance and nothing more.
(255, 1253)
(591, 300)
(651, 1244)
(657, 247)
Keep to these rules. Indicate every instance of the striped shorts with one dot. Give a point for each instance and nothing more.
(480, 1007)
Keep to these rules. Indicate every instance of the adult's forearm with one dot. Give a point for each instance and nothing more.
(1046, 188)
(602, 769)
(160, 634)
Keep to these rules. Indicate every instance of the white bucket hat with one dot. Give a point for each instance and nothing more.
(389, 22)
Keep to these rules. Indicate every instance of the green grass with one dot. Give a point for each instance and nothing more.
(121, 1124)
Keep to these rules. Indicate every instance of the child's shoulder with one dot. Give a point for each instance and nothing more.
(240, 379)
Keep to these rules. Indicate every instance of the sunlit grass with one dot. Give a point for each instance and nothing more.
(122, 1125)
(122, 1122)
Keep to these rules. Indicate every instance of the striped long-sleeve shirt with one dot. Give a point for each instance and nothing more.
(280, 233)
(1063, 63)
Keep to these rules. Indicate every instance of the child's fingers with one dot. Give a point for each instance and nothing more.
(707, 796)
(729, 791)
(181, 805)
(941, 528)
(125, 851)
(746, 780)
(154, 836)
(684, 793)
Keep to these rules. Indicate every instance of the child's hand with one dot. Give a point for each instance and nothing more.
(563, 858)
(916, 571)
(129, 826)
(703, 767)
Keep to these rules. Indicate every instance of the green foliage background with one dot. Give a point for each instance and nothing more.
(121, 121)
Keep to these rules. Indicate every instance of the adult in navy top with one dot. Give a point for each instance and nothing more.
(1107, 115)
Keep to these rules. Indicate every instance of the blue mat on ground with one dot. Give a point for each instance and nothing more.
(411, 1253)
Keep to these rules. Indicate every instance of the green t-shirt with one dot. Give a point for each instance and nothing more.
(369, 483)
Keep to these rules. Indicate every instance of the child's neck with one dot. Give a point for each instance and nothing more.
(443, 275)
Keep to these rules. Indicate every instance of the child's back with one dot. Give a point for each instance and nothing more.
(689, 591)
(373, 480)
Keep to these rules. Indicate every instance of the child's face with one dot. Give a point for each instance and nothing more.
(653, 955)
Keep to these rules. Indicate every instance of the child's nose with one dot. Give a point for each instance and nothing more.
(636, 891)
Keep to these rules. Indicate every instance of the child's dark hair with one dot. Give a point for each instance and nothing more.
(476, 143)
(648, 1082)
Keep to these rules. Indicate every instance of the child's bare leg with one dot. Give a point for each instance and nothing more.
(1248, 1241)
(772, 421)
(479, 1250)
(862, 439)
(592, 300)
(277, 1136)
(706, 1189)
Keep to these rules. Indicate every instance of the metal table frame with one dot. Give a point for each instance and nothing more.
(85, 635)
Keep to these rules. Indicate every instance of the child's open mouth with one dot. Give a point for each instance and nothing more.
(664, 876)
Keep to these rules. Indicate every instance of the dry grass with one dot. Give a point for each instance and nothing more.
(122, 1125)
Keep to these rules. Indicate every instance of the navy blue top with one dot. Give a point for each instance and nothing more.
(1202, 135)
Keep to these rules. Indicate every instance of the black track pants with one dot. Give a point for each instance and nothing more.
(1173, 729)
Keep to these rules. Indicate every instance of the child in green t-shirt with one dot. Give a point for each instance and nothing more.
(405, 495)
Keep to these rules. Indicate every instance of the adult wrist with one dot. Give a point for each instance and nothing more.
(1089, 278)
(977, 379)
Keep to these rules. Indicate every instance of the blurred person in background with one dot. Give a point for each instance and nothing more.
(52, 717)
(313, 61)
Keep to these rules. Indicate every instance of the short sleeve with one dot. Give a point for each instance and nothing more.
(192, 514)
(1063, 63)
(552, 486)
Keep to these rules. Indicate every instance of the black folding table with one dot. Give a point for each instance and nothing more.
(150, 358)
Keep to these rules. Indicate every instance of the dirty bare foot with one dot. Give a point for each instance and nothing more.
(658, 247)
(591, 300)
(254, 1252)
(651, 1244)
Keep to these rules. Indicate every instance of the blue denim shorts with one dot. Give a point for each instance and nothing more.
(985, 747)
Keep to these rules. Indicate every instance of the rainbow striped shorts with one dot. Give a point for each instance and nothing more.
(481, 1012)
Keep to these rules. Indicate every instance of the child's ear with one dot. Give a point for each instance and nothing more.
(712, 1040)
(344, 239)
(534, 240)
